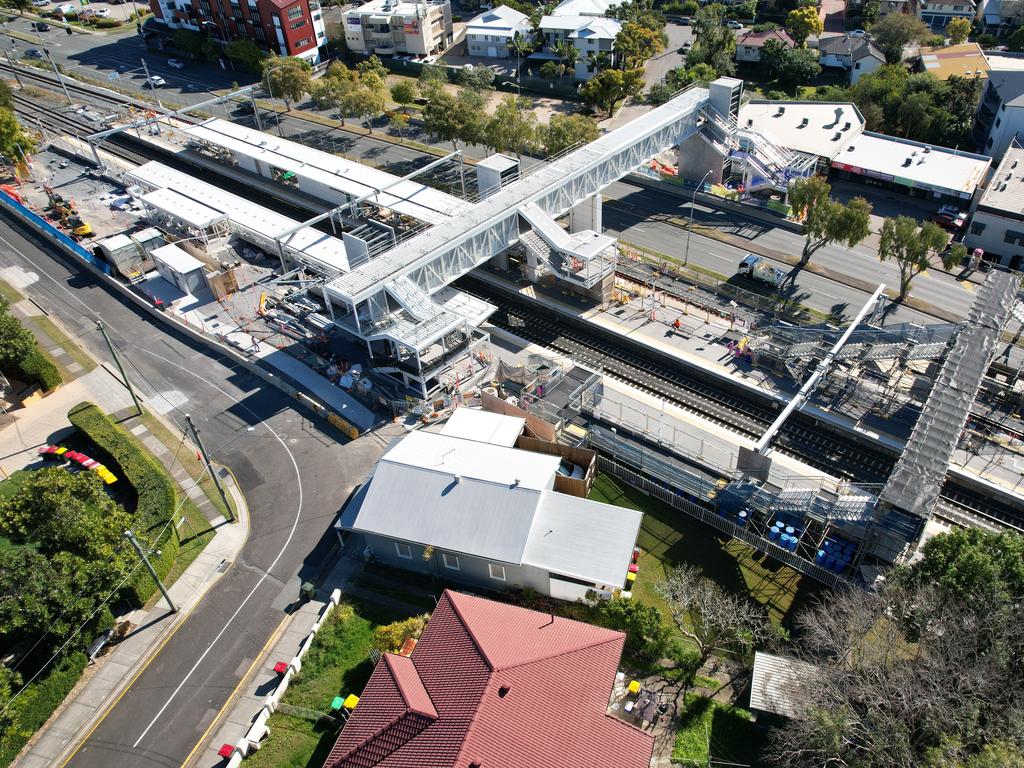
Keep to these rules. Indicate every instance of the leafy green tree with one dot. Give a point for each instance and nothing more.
(404, 93)
(564, 131)
(680, 77)
(659, 93)
(454, 118)
(432, 79)
(896, 31)
(957, 30)
(365, 101)
(330, 93)
(477, 78)
(16, 342)
(647, 637)
(715, 42)
(568, 55)
(635, 44)
(827, 220)
(869, 11)
(287, 78)
(550, 70)
(197, 45)
(911, 248)
(803, 23)
(372, 69)
(513, 126)
(6, 97)
(1016, 40)
(610, 87)
(398, 122)
(799, 66)
(245, 52)
(690, 7)
(18, 5)
(773, 57)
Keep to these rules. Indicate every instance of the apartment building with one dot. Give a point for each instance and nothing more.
(284, 27)
(390, 27)
(999, 118)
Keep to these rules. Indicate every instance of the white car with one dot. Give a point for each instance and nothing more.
(40, 3)
(101, 13)
(175, 63)
(858, 33)
(154, 81)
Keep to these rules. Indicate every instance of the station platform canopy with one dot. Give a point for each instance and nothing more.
(408, 197)
(190, 212)
(253, 223)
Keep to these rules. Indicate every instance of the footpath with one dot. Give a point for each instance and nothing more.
(45, 422)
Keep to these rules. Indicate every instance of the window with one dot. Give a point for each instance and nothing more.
(451, 562)
(497, 572)
(259, 33)
(998, 121)
(295, 12)
(1013, 238)
(857, 65)
(302, 42)
(297, 24)
(977, 227)
(404, 551)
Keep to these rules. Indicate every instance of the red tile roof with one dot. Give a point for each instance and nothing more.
(757, 39)
(508, 687)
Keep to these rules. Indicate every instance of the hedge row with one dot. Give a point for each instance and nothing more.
(38, 369)
(37, 703)
(157, 498)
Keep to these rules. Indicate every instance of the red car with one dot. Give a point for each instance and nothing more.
(950, 221)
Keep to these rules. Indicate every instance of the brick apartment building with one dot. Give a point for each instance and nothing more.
(284, 27)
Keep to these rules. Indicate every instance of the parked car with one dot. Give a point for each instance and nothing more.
(733, 24)
(685, 21)
(40, 26)
(245, 108)
(857, 33)
(685, 48)
(40, 3)
(175, 63)
(154, 81)
(950, 221)
(951, 210)
(32, 53)
(99, 13)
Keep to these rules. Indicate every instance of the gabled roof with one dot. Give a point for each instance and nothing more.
(1009, 84)
(605, 29)
(757, 39)
(511, 688)
(846, 45)
(582, 8)
(501, 18)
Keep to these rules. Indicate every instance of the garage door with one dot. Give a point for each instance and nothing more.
(492, 51)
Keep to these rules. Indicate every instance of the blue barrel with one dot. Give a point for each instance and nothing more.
(743, 517)
(784, 539)
(790, 530)
(830, 562)
(820, 556)
(773, 534)
(792, 543)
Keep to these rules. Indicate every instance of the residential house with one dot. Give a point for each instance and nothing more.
(488, 514)
(592, 36)
(887, 7)
(493, 685)
(964, 60)
(999, 118)
(389, 27)
(997, 224)
(491, 33)
(284, 27)
(1001, 17)
(938, 15)
(856, 55)
(748, 46)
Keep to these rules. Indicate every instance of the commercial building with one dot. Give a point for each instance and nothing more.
(494, 685)
(284, 27)
(999, 118)
(748, 46)
(389, 27)
(489, 514)
(491, 33)
(856, 56)
(817, 129)
(965, 60)
(997, 224)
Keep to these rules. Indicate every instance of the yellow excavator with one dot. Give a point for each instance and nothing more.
(69, 217)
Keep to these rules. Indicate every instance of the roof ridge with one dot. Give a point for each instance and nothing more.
(619, 636)
(465, 625)
(396, 677)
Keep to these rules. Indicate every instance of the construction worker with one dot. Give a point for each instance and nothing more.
(676, 324)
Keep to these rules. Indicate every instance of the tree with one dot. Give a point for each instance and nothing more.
(911, 248)
(803, 23)
(869, 11)
(659, 93)
(454, 118)
(197, 45)
(957, 30)
(610, 87)
(895, 31)
(564, 131)
(328, 93)
(18, 5)
(365, 100)
(371, 70)
(404, 93)
(245, 52)
(647, 637)
(477, 78)
(680, 78)
(432, 79)
(710, 617)
(635, 44)
(799, 65)
(389, 638)
(513, 126)
(6, 97)
(286, 78)
(827, 220)
(568, 55)
(715, 42)
(773, 56)
(16, 342)
(1016, 40)
(550, 70)
(399, 121)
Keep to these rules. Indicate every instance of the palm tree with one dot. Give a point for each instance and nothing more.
(521, 47)
(568, 53)
(598, 60)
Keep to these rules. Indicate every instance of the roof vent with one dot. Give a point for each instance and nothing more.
(503, 691)
(515, 482)
(838, 136)
(908, 161)
(781, 112)
(457, 479)
(1013, 164)
(847, 126)
(804, 123)
(926, 150)
(1009, 176)
(850, 148)
(1002, 188)
(750, 122)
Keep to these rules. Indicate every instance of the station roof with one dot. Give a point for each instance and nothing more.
(190, 212)
(1005, 193)
(246, 218)
(408, 197)
(465, 305)
(818, 128)
(913, 164)
(965, 60)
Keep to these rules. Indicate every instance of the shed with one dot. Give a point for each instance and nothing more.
(484, 427)
(776, 682)
(180, 268)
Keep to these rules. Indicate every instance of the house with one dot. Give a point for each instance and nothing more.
(491, 685)
(1000, 17)
(389, 27)
(857, 55)
(938, 15)
(999, 118)
(748, 46)
(887, 7)
(488, 514)
(997, 224)
(592, 36)
(491, 33)
(964, 60)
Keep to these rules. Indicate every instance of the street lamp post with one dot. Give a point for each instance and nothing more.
(270, 90)
(689, 229)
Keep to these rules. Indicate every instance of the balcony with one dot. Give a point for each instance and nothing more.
(313, 5)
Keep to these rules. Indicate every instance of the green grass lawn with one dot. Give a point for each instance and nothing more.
(669, 537)
(711, 730)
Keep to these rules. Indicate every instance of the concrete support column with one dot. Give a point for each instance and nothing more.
(586, 214)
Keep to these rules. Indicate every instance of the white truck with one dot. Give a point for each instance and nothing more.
(757, 268)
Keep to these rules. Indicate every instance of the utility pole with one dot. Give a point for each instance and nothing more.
(117, 362)
(14, 69)
(255, 109)
(145, 560)
(209, 466)
(150, 83)
(57, 73)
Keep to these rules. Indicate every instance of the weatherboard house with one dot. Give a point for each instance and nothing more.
(481, 512)
(491, 685)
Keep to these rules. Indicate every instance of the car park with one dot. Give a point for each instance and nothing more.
(154, 81)
(175, 63)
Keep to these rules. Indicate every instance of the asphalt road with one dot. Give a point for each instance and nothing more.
(294, 475)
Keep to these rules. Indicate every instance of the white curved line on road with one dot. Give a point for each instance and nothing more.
(284, 445)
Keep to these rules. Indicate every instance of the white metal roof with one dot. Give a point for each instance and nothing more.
(250, 221)
(582, 7)
(177, 259)
(191, 212)
(116, 242)
(776, 681)
(583, 539)
(407, 197)
(825, 134)
(475, 311)
(913, 164)
(502, 21)
(484, 426)
(604, 29)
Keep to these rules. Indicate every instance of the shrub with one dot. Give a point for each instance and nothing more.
(391, 637)
(36, 368)
(107, 23)
(156, 496)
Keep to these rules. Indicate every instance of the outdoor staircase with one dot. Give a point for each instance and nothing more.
(1018, 311)
(412, 298)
